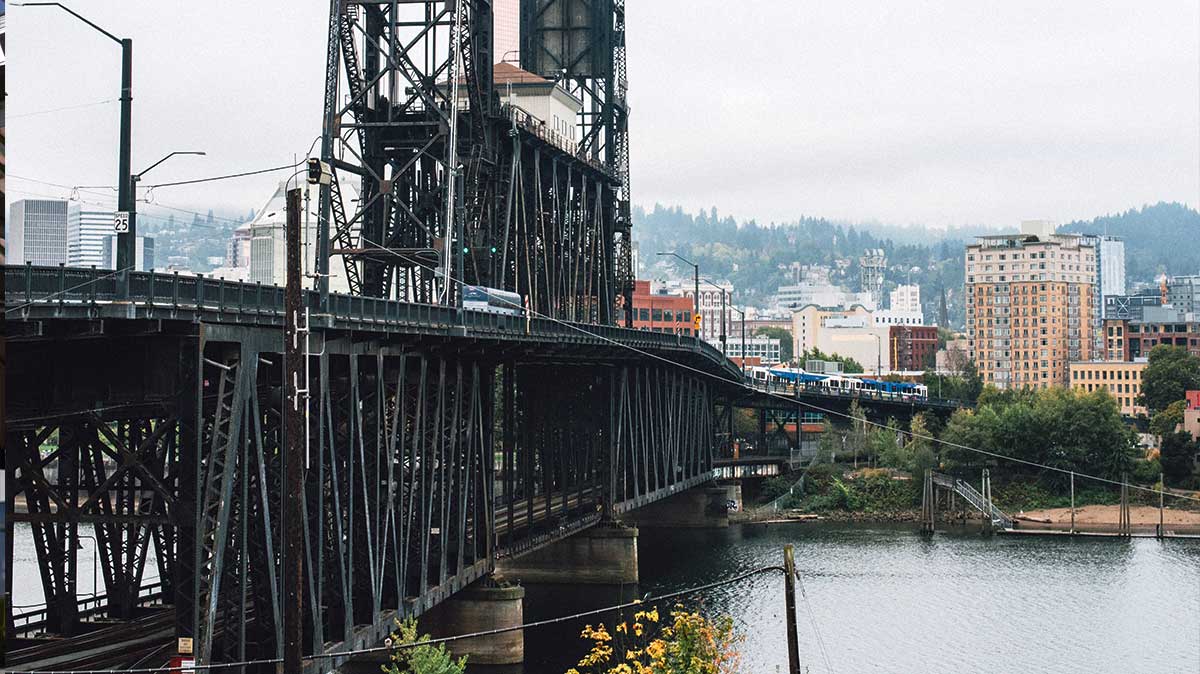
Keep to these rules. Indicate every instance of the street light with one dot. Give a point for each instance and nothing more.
(723, 313)
(695, 279)
(126, 241)
(95, 556)
(878, 355)
(743, 313)
(131, 260)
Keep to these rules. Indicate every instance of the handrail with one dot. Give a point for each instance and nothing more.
(972, 496)
(65, 289)
(87, 605)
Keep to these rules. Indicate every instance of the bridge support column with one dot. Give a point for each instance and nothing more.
(602, 555)
(698, 508)
(481, 607)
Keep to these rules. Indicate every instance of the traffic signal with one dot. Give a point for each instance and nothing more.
(696, 322)
(319, 172)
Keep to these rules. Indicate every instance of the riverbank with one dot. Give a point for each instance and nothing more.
(1110, 514)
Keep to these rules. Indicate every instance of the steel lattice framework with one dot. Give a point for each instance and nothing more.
(461, 182)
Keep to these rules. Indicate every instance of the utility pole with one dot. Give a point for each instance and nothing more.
(293, 438)
(789, 594)
(127, 239)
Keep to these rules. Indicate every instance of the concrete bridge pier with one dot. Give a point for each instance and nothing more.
(701, 507)
(484, 606)
(601, 555)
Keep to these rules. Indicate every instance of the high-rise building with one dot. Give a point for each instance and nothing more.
(1183, 293)
(1110, 279)
(1131, 306)
(143, 259)
(37, 231)
(506, 30)
(906, 298)
(88, 233)
(1029, 305)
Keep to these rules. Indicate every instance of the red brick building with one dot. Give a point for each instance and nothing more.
(661, 312)
(912, 347)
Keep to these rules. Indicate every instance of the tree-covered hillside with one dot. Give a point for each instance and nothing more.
(1158, 239)
(756, 258)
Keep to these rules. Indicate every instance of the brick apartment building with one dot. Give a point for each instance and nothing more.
(661, 312)
(912, 347)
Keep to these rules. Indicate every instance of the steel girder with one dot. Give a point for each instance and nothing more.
(555, 230)
(390, 69)
(581, 44)
(427, 460)
(531, 214)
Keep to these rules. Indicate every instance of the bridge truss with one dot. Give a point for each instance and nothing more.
(450, 182)
(438, 442)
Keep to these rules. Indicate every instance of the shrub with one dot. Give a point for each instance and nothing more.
(426, 659)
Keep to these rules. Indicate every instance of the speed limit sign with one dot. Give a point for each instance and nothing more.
(121, 222)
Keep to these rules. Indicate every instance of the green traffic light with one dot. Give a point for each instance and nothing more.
(466, 250)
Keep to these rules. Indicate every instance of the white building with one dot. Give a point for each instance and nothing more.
(820, 294)
(766, 348)
(888, 317)
(88, 233)
(553, 109)
(37, 231)
(143, 259)
(710, 310)
(263, 245)
(906, 298)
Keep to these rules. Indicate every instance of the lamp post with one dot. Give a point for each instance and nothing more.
(695, 280)
(131, 253)
(95, 556)
(743, 314)
(878, 356)
(126, 241)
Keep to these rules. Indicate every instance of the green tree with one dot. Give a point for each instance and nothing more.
(785, 340)
(1165, 422)
(1061, 428)
(965, 386)
(1178, 455)
(426, 659)
(1170, 372)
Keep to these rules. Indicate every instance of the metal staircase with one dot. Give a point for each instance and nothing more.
(971, 495)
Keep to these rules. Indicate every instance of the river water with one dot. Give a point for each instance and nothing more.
(885, 599)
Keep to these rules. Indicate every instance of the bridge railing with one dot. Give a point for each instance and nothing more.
(35, 617)
(71, 288)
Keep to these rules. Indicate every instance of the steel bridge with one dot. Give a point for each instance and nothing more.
(149, 408)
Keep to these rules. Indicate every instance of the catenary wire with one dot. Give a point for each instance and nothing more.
(62, 109)
(815, 407)
(647, 601)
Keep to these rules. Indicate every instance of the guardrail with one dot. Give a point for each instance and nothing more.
(26, 621)
(69, 291)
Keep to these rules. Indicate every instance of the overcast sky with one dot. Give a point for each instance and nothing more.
(903, 112)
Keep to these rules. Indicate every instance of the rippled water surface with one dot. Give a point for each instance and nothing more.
(887, 600)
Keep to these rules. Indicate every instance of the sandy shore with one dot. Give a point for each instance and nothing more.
(1111, 514)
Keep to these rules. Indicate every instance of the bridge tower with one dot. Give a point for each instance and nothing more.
(454, 186)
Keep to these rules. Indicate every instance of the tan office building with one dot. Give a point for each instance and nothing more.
(1123, 380)
(1029, 306)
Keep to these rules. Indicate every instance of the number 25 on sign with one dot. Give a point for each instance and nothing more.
(121, 222)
